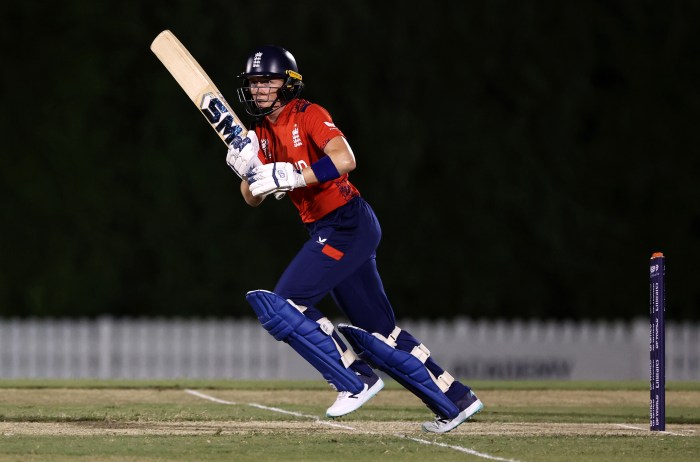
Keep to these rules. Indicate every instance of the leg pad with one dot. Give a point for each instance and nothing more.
(286, 323)
(402, 366)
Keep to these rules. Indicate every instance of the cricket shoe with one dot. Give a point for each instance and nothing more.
(348, 402)
(470, 405)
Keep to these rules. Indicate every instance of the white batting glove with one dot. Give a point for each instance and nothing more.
(275, 177)
(242, 161)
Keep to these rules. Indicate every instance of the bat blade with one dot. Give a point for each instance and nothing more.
(200, 88)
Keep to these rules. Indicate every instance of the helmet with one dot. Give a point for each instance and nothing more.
(274, 62)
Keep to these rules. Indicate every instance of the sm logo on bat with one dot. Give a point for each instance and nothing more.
(221, 119)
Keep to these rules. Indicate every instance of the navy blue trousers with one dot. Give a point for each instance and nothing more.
(340, 259)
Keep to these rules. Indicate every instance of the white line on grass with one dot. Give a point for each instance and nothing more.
(632, 427)
(332, 424)
(210, 398)
(298, 414)
(457, 448)
(267, 408)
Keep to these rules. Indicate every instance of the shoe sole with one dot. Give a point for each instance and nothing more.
(371, 393)
(470, 412)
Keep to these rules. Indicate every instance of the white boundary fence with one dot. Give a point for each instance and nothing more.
(241, 349)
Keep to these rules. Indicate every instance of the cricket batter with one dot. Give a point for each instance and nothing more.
(295, 148)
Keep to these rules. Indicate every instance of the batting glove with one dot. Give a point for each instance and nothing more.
(275, 177)
(243, 160)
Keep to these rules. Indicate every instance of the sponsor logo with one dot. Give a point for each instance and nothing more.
(214, 109)
(296, 139)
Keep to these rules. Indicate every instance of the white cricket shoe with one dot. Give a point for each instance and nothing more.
(348, 402)
(471, 404)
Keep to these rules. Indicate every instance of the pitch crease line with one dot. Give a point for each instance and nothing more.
(632, 427)
(332, 424)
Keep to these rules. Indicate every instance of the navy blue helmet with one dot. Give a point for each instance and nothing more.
(274, 62)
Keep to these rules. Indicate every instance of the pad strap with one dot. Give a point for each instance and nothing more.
(421, 352)
(391, 339)
(444, 381)
(347, 357)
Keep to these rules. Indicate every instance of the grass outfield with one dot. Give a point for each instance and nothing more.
(193, 420)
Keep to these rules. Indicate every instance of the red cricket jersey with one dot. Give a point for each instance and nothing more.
(298, 136)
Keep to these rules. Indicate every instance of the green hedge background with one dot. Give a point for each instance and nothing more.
(524, 158)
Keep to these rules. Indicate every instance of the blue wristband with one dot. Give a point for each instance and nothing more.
(325, 170)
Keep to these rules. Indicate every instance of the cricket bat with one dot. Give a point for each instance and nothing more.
(200, 89)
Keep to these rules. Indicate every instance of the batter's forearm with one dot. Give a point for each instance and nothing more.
(251, 200)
